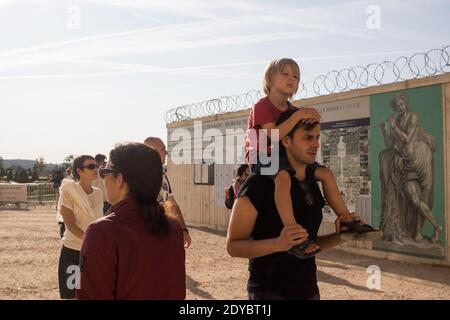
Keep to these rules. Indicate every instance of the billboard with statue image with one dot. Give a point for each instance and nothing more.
(407, 171)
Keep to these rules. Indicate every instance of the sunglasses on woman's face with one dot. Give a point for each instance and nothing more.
(309, 199)
(90, 166)
(104, 171)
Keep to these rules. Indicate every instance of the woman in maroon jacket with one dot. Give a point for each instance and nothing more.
(135, 252)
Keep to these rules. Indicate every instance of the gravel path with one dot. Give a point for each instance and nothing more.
(29, 253)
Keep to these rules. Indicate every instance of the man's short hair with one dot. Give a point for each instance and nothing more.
(100, 158)
(285, 116)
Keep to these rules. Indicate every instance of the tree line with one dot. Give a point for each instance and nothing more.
(17, 173)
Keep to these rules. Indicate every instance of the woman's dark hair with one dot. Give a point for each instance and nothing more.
(78, 164)
(241, 169)
(141, 168)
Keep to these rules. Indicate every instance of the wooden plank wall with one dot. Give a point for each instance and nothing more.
(196, 201)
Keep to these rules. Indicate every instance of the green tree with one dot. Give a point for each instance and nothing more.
(40, 164)
(22, 176)
(9, 175)
(68, 161)
(17, 173)
(35, 173)
(57, 169)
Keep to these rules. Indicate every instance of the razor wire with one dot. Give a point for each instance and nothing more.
(418, 65)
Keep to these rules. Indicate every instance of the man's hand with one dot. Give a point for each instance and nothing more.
(291, 236)
(187, 239)
(173, 211)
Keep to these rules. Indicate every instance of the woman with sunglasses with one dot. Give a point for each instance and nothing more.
(136, 252)
(79, 204)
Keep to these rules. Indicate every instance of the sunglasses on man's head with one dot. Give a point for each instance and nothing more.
(104, 171)
(309, 199)
(91, 166)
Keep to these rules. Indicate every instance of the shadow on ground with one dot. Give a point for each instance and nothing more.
(212, 231)
(192, 286)
(340, 259)
(328, 278)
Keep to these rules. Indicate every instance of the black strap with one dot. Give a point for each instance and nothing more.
(311, 170)
(167, 179)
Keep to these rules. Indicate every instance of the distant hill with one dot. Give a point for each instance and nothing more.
(27, 164)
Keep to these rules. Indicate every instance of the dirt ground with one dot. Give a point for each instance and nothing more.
(29, 242)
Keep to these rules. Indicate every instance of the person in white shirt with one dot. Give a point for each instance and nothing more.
(79, 204)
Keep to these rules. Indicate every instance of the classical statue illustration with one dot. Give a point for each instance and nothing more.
(407, 177)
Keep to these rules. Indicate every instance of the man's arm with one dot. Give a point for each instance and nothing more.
(174, 211)
(239, 244)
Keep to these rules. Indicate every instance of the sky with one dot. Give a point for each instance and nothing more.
(77, 77)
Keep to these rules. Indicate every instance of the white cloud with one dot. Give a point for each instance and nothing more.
(6, 3)
(244, 28)
(206, 9)
(224, 32)
(226, 70)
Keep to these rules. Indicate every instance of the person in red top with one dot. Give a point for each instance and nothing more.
(136, 252)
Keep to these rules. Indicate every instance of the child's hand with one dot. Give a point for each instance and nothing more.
(308, 115)
(291, 236)
(348, 217)
(352, 216)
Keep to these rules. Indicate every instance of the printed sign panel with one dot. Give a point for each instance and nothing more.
(407, 162)
(344, 148)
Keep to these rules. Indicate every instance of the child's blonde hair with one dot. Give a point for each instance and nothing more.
(277, 66)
